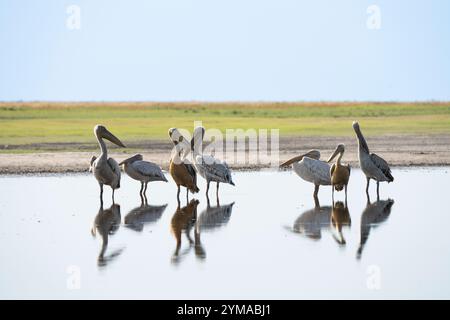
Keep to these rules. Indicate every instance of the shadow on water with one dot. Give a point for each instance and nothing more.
(211, 219)
(186, 218)
(373, 215)
(183, 220)
(143, 215)
(340, 217)
(106, 223)
(311, 222)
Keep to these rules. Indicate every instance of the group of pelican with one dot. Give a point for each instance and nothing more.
(187, 160)
(310, 168)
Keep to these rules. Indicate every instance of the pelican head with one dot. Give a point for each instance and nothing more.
(339, 150)
(175, 136)
(355, 125)
(136, 157)
(101, 132)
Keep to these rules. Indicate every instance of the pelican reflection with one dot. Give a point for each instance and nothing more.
(311, 222)
(143, 215)
(373, 215)
(211, 219)
(340, 217)
(106, 223)
(183, 220)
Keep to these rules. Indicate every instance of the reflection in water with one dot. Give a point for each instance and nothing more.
(311, 222)
(340, 217)
(373, 215)
(107, 223)
(210, 219)
(183, 220)
(144, 214)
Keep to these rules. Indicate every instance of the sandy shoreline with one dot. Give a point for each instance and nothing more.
(398, 150)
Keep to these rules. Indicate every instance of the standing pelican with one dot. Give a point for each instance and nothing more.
(106, 170)
(142, 171)
(210, 168)
(373, 166)
(308, 167)
(340, 174)
(183, 173)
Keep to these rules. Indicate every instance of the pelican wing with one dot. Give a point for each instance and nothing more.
(149, 169)
(192, 172)
(114, 166)
(315, 171)
(382, 165)
(313, 154)
(217, 170)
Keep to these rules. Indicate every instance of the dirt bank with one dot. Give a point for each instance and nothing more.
(408, 150)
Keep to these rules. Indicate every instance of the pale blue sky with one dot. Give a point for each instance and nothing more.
(172, 50)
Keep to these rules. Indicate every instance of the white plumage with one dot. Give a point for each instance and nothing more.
(310, 168)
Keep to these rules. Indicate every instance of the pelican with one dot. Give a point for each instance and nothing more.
(373, 215)
(373, 166)
(106, 170)
(142, 171)
(210, 168)
(340, 174)
(106, 223)
(182, 173)
(340, 216)
(308, 167)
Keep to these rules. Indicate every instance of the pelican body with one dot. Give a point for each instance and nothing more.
(340, 174)
(208, 167)
(373, 166)
(142, 171)
(311, 169)
(106, 170)
(182, 173)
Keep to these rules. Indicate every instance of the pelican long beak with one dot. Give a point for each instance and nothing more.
(109, 136)
(336, 152)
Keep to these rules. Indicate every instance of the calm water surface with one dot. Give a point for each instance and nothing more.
(265, 239)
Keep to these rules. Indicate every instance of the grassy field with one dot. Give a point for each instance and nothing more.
(42, 122)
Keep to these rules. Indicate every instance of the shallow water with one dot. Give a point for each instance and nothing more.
(271, 243)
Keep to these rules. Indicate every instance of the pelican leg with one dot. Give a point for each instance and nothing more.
(207, 187)
(178, 193)
(113, 195)
(332, 193)
(316, 191)
(367, 187)
(378, 190)
(101, 192)
(145, 189)
(142, 188)
(187, 195)
(217, 190)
